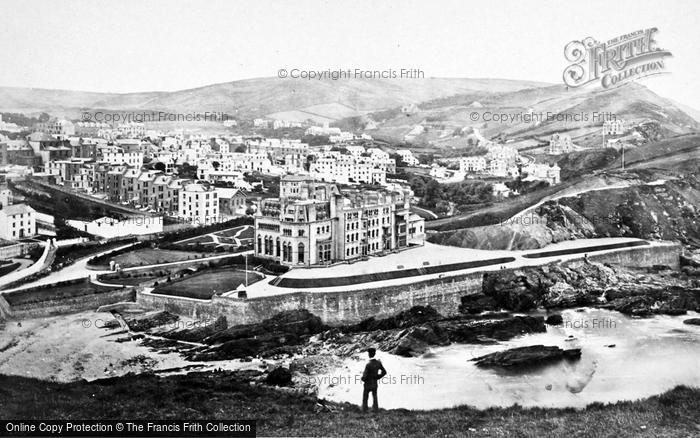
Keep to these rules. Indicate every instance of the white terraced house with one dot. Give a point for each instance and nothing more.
(199, 204)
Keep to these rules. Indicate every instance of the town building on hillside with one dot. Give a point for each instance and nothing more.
(17, 221)
(199, 204)
(49, 148)
(6, 197)
(232, 202)
(64, 170)
(131, 159)
(472, 164)
(498, 167)
(407, 157)
(543, 172)
(314, 223)
(560, 144)
(56, 127)
(614, 127)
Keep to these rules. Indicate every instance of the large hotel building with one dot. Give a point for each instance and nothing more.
(316, 223)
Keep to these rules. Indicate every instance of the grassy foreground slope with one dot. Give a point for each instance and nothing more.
(225, 396)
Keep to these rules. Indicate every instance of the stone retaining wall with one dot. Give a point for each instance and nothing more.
(352, 306)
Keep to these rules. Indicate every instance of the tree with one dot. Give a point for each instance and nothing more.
(399, 161)
(159, 166)
(433, 193)
(215, 165)
(187, 171)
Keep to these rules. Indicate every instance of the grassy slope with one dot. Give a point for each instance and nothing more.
(212, 396)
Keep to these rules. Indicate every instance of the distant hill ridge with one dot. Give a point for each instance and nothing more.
(256, 97)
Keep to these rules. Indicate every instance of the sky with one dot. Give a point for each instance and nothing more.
(145, 45)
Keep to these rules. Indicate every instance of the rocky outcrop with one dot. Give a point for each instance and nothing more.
(579, 283)
(554, 320)
(147, 321)
(533, 355)
(408, 318)
(279, 377)
(477, 303)
(281, 334)
(437, 331)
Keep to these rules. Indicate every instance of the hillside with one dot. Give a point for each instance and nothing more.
(258, 97)
(656, 197)
(632, 103)
(281, 412)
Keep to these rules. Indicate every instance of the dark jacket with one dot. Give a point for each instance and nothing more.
(374, 371)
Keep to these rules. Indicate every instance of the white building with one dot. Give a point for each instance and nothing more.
(407, 157)
(503, 152)
(342, 137)
(131, 159)
(199, 204)
(57, 127)
(444, 175)
(260, 123)
(498, 167)
(560, 144)
(108, 228)
(324, 130)
(355, 151)
(472, 164)
(17, 222)
(543, 172)
(614, 127)
(345, 169)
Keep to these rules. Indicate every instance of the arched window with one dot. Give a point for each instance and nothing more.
(285, 251)
(260, 247)
(277, 247)
(267, 245)
(300, 256)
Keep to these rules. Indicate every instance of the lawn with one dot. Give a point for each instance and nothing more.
(31, 296)
(206, 239)
(230, 232)
(205, 284)
(249, 233)
(149, 256)
(7, 266)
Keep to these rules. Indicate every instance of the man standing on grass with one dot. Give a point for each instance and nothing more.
(374, 371)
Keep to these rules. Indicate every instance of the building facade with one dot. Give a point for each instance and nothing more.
(17, 222)
(199, 204)
(314, 223)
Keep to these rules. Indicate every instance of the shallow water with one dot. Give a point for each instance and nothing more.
(649, 356)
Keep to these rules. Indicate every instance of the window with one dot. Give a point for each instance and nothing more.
(301, 253)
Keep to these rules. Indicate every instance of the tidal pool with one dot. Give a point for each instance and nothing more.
(622, 359)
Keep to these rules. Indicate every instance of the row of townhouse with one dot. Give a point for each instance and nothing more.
(150, 189)
(222, 166)
(345, 169)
